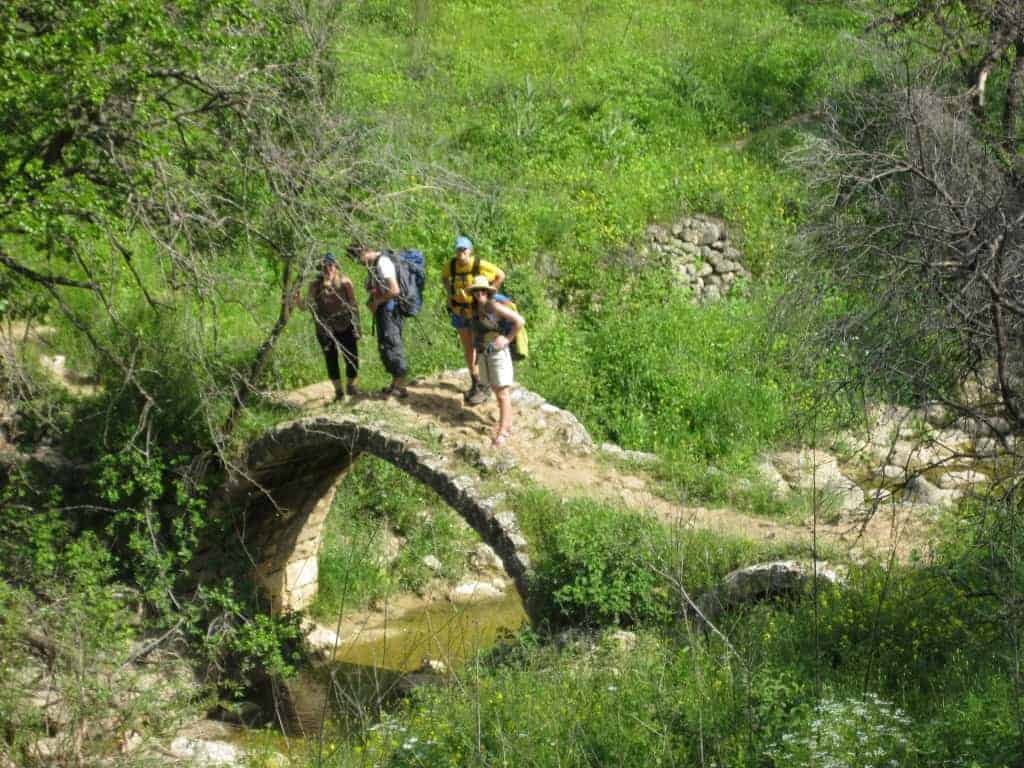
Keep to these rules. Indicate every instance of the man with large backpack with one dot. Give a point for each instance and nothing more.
(390, 305)
(457, 276)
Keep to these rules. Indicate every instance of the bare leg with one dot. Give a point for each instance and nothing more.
(469, 352)
(504, 414)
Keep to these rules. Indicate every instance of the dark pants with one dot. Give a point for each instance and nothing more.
(389, 340)
(345, 342)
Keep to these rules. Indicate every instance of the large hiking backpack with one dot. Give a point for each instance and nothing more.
(410, 270)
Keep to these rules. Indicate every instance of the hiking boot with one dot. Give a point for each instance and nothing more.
(392, 391)
(478, 394)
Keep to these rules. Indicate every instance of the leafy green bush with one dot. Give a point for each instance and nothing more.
(601, 566)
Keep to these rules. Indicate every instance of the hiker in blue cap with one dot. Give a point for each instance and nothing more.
(457, 276)
(332, 300)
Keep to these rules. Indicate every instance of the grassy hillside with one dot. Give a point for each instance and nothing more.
(553, 134)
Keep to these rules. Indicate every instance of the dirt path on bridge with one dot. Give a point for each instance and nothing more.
(550, 447)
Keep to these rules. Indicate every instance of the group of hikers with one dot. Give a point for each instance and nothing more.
(487, 323)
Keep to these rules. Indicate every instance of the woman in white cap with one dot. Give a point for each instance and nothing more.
(494, 327)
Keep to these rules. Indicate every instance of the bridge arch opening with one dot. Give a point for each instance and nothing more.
(289, 481)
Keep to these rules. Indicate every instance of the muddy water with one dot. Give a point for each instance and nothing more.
(371, 669)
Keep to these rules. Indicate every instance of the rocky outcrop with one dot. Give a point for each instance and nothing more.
(698, 251)
(818, 472)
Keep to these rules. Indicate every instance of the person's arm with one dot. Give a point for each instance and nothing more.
(499, 278)
(391, 283)
(300, 303)
(349, 291)
(517, 321)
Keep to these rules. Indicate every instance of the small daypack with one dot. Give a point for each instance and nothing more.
(410, 271)
(520, 348)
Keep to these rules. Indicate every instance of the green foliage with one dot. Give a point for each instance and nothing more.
(696, 377)
(601, 566)
(377, 501)
(597, 564)
(32, 530)
(80, 640)
(868, 732)
(155, 520)
(242, 647)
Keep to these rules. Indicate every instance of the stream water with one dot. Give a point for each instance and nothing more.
(376, 667)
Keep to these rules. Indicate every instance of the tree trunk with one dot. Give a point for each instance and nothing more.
(1014, 101)
(259, 363)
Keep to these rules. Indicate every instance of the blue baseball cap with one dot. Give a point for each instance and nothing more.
(328, 259)
(463, 243)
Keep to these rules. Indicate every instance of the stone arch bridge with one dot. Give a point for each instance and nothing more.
(289, 478)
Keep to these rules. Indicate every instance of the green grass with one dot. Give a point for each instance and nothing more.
(895, 667)
(376, 499)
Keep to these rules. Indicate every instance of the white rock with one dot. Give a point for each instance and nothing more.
(526, 398)
(624, 640)
(888, 422)
(891, 473)
(772, 476)
(962, 479)
(473, 591)
(432, 563)
(319, 636)
(764, 580)
(819, 471)
(485, 559)
(206, 752)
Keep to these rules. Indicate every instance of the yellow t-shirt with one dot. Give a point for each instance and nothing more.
(459, 291)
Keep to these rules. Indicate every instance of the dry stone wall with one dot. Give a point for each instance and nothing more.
(700, 254)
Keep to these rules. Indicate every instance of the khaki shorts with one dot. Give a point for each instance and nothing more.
(496, 369)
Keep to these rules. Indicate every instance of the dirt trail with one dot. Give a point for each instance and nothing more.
(552, 448)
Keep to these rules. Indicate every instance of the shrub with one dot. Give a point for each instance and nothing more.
(600, 566)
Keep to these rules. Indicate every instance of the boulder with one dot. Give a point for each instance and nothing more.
(569, 428)
(485, 559)
(763, 581)
(204, 752)
(432, 563)
(710, 232)
(936, 414)
(890, 473)
(474, 591)
(819, 471)
(772, 476)
(962, 479)
(989, 447)
(657, 233)
(920, 491)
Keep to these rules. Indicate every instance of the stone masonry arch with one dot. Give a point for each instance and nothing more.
(289, 479)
